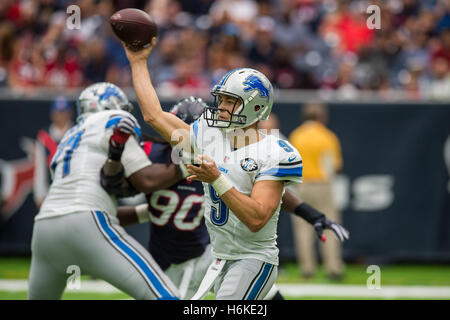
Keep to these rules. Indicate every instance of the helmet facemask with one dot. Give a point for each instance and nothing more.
(128, 107)
(235, 120)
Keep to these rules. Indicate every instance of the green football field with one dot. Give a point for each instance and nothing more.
(396, 281)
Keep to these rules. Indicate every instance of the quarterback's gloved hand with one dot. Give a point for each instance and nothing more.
(323, 223)
(123, 130)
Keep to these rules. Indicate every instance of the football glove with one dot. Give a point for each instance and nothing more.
(323, 223)
(122, 131)
(320, 222)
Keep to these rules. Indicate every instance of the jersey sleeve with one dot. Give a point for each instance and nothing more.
(196, 134)
(204, 138)
(195, 127)
(134, 157)
(159, 152)
(285, 165)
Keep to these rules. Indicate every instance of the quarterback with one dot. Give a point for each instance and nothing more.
(244, 174)
(179, 240)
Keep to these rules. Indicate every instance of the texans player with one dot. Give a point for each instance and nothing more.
(179, 240)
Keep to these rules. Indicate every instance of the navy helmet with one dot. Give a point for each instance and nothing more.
(189, 109)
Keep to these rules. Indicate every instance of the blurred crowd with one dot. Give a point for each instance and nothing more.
(298, 44)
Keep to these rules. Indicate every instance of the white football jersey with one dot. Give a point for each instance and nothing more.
(269, 159)
(77, 163)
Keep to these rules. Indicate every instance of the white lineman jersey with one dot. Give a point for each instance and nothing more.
(269, 159)
(77, 163)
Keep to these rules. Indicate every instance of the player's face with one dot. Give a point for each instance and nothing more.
(227, 105)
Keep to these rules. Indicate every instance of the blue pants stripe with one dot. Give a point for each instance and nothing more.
(260, 282)
(152, 278)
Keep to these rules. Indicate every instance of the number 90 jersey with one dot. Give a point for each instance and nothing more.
(268, 159)
(77, 163)
(178, 232)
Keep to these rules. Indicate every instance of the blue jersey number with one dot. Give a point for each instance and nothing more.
(69, 147)
(285, 146)
(221, 217)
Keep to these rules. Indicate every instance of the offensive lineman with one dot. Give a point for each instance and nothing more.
(243, 192)
(76, 224)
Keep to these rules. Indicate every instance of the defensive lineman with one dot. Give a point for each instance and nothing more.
(76, 225)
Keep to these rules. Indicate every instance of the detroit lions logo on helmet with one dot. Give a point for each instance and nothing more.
(255, 83)
(109, 92)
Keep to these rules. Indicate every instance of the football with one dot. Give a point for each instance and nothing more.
(134, 27)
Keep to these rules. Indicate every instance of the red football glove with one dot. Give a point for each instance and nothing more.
(123, 130)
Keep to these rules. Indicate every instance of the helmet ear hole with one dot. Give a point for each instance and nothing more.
(257, 107)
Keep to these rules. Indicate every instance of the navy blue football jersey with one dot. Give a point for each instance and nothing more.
(178, 232)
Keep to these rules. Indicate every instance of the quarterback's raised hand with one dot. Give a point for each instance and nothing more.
(323, 223)
(139, 55)
(122, 131)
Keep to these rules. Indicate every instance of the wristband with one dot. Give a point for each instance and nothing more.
(142, 212)
(114, 151)
(308, 213)
(221, 185)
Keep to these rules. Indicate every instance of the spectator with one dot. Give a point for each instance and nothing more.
(97, 64)
(6, 50)
(301, 44)
(186, 76)
(322, 159)
(443, 49)
(61, 117)
(272, 126)
(263, 47)
(439, 87)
